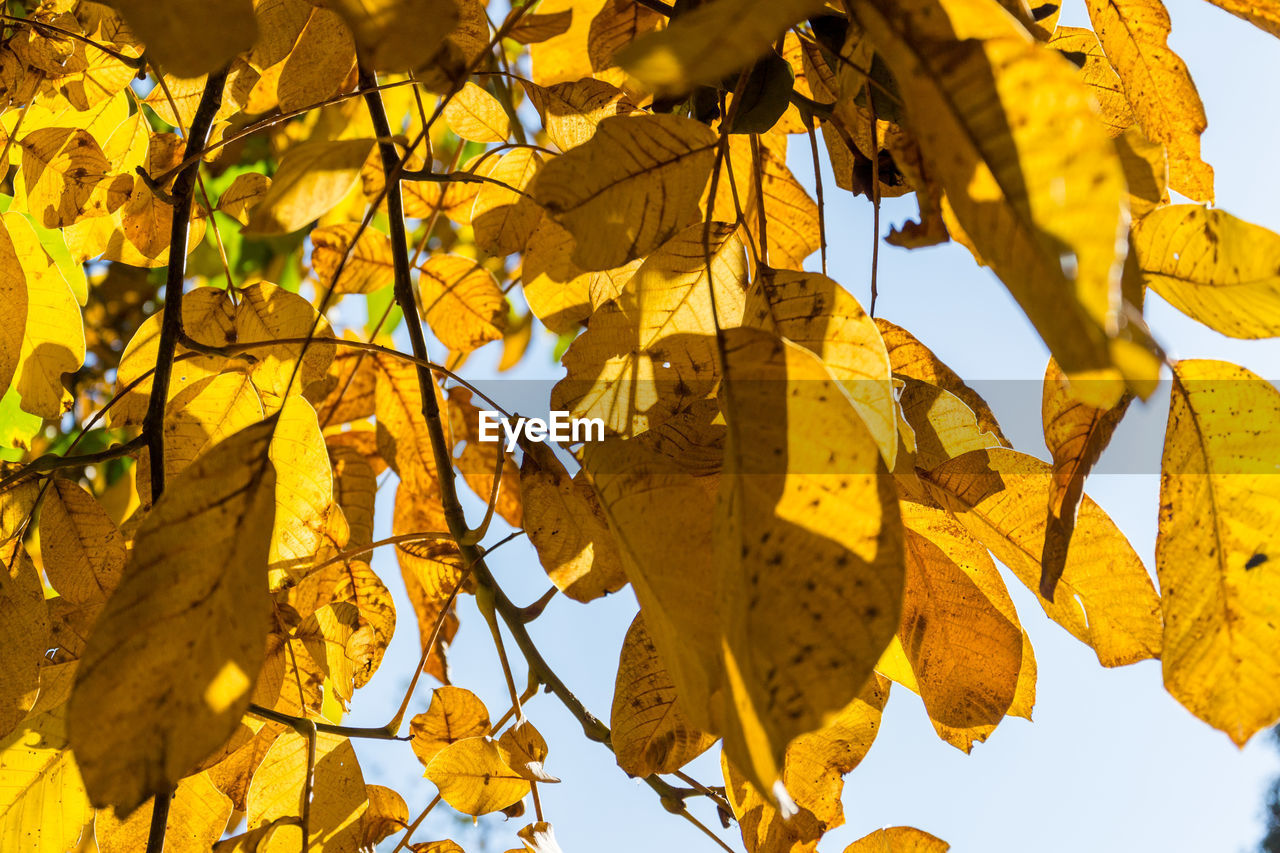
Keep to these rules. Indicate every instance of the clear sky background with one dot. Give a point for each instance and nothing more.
(1111, 761)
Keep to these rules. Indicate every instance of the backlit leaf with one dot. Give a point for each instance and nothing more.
(1219, 497)
(1105, 597)
(473, 778)
(650, 731)
(1213, 267)
(454, 714)
(312, 178)
(170, 666)
(790, 474)
(1135, 33)
(43, 805)
(630, 188)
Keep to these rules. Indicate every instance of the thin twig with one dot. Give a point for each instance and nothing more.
(134, 62)
(875, 201)
(812, 125)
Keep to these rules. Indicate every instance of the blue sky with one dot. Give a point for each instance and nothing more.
(1111, 761)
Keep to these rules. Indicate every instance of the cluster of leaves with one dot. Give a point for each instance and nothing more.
(805, 500)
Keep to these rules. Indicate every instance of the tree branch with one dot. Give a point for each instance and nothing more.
(170, 332)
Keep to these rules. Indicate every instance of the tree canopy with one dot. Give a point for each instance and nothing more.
(249, 246)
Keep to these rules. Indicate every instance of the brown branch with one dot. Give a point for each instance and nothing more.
(54, 462)
(170, 332)
(135, 62)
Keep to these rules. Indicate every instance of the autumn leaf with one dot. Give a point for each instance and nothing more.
(312, 179)
(26, 624)
(462, 302)
(714, 40)
(898, 839)
(1023, 213)
(1134, 34)
(621, 207)
(788, 476)
(1218, 498)
(169, 668)
(362, 268)
(338, 799)
(564, 521)
(455, 713)
(1076, 435)
(649, 729)
(1212, 267)
(1106, 597)
(189, 37)
(198, 813)
(82, 550)
(524, 750)
(43, 804)
(474, 779)
(476, 115)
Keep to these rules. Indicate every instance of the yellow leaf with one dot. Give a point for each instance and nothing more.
(239, 199)
(1219, 500)
(629, 189)
(504, 218)
(1213, 267)
(1012, 136)
(13, 291)
(898, 839)
(940, 538)
(387, 813)
(81, 548)
(43, 805)
(808, 549)
(53, 340)
(25, 626)
(559, 292)
(1134, 34)
(61, 168)
(813, 774)
(266, 312)
(191, 37)
(965, 653)
(330, 637)
(479, 460)
(1106, 597)
(454, 713)
(338, 800)
(199, 416)
(650, 731)
(913, 360)
(461, 301)
(169, 668)
(652, 352)
(198, 815)
(538, 837)
(1264, 14)
(473, 778)
(564, 521)
(476, 115)
(1082, 47)
(398, 35)
(524, 750)
(304, 490)
(313, 177)
(572, 111)
(812, 310)
(645, 495)
(365, 268)
(1076, 434)
(318, 61)
(944, 426)
(712, 41)
(1146, 172)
